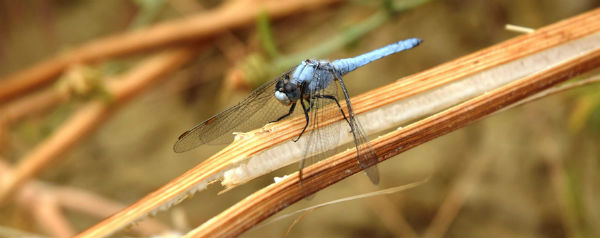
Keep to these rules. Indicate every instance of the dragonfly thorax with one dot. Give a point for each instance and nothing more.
(314, 74)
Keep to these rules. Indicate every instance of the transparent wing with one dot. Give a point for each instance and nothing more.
(256, 110)
(367, 158)
(323, 140)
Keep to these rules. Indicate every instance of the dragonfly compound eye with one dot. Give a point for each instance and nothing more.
(292, 92)
(279, 86)
(290, 87)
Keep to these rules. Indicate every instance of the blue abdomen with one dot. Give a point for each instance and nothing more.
(348, 65)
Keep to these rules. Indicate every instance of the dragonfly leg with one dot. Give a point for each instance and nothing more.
(286, 115)
(306, 116)
(311, 103)
(336, 102)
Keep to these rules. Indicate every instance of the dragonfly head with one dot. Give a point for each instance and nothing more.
(286, 92)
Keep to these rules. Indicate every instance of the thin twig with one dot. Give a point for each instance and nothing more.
(386, 191)
(93, 205)
(232, 15)
(50, 217)
(38, 102)
(232, 48)
(519, 29)
(391, 215)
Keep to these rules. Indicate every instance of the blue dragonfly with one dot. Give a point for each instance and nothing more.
(310, 84)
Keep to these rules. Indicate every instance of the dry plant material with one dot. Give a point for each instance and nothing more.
(386, 191)
(308, 210)
(266, 202)
(519, 29)
(91, 115)
(231, 15)
(46, 204)
(420, 95)
(391, 214)
(38, 102)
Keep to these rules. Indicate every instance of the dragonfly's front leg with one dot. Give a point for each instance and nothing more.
(307, 118)
(302, 93)
(286, 115)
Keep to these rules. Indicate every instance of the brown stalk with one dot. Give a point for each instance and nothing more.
(266, 202)
(46, 211)
(96, 206)
(35, 103)
(46, 204)
(511, 50)
(235, 14)
(92, 114)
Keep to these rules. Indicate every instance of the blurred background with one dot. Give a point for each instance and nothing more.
(528, 171)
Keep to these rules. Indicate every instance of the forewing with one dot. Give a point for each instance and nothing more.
(256, 110)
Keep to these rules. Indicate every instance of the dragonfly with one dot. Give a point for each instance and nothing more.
(313, 88)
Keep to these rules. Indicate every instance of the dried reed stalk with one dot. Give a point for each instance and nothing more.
(204, 25)
(274, 198)
(266, 202)
(38, 102)
(92, 114)
(46, 204)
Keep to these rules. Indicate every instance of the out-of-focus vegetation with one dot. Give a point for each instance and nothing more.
(531, 170)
